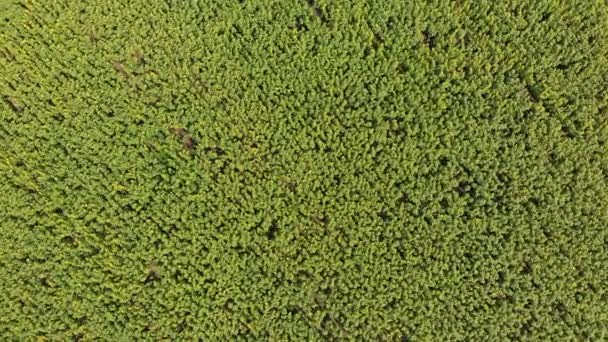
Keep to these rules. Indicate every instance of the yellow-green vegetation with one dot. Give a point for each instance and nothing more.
(274, 170)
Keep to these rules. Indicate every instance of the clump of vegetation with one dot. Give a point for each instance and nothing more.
(303, 170)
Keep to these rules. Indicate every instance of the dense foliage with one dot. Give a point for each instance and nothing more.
(304, 170)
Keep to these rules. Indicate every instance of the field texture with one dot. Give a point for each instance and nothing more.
(274, 170)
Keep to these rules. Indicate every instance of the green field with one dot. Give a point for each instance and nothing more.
(321, 170)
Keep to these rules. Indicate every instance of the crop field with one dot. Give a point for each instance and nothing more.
(303, 170)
